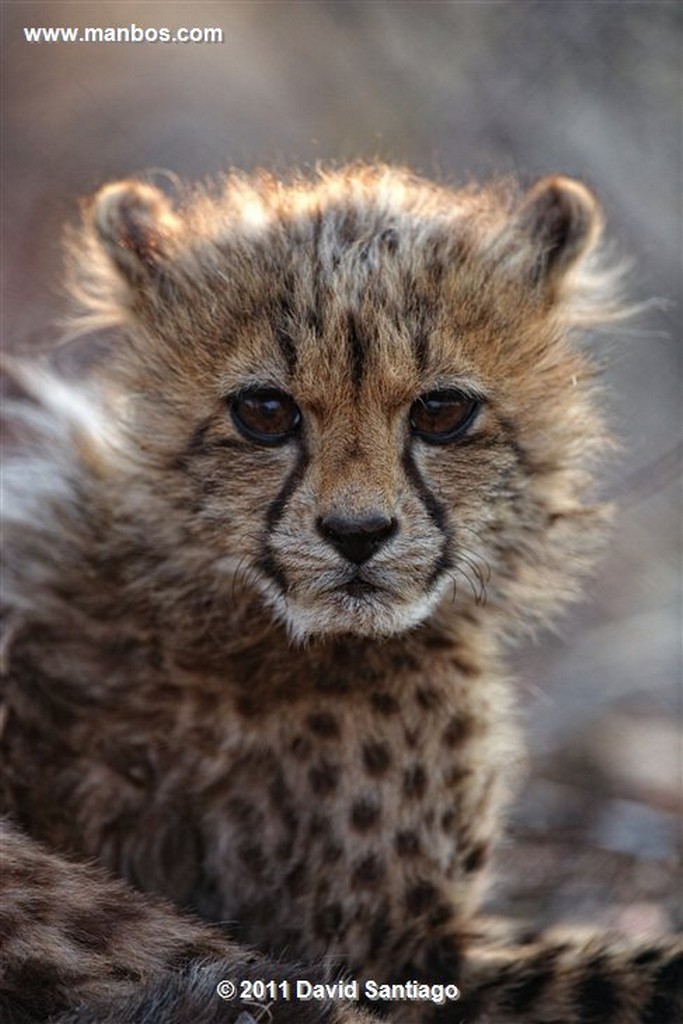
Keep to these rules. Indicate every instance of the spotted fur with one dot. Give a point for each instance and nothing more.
(216, 699)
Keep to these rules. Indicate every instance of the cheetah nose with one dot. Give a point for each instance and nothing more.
(357, 538)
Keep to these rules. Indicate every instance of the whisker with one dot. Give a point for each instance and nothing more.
(480, 596)
(477, 560)
(471, 529)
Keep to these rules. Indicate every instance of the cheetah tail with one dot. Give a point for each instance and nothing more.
(580, 981)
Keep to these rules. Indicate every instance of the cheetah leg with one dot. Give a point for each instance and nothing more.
(79, 947)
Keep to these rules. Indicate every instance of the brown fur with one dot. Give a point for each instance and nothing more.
(196, 696)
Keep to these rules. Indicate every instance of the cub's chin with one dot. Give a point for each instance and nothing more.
(355, 609)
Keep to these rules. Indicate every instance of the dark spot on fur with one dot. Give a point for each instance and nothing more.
(464, 667)
(420, 897)
(442, 960)
(384, 703)
(42, 988)
(667, 993)
(91, 929)
(403, 661)
(647, 956)
(412, 737)
(448, 819)
(379, 931)
(278, 791)
(407, 843)
(319, 825)
(285, 848)
(389, 240)
(522, 994)
(437, 642)
(364, 814)
(333, 682)
(440, 915)
(322, 889)
(243, 811)
(476, 858)
(348, 227)
(414, 782)
(331, 853)
(11, 920)
(295, 879)
(323, 778)
(301, 747)
(208, 487)
(376, 758)
(458, 729)
(368, 871)
(328, 920)
(455, 775)
(288, 816)
(248, 706)
(155, 656)
(427, 698)
(597, 994)
(323, 724)
(253, 858)
(313, 321)
(367, 673)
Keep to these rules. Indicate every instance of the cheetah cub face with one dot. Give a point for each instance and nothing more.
(361, 387)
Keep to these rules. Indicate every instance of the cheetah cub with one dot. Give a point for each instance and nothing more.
(259, 576)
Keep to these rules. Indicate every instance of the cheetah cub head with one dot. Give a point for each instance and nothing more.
(361, 393)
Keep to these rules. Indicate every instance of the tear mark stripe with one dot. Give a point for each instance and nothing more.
(435, 509)
(277, 506)
(267, 561)
(270, 568)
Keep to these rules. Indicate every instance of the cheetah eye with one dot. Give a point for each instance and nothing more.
(442, 416)
(265, 415)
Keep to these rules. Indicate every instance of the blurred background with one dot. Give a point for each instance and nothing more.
(456, 91)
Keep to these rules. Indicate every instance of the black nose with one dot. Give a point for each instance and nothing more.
(357, 537)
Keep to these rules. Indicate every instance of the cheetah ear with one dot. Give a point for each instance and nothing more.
(558, 222)
(135, 225)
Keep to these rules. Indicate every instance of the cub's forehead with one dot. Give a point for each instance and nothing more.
(348, 231)
(349, 281)
(356, 277)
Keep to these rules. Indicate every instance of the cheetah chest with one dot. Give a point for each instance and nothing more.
(336, 821)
